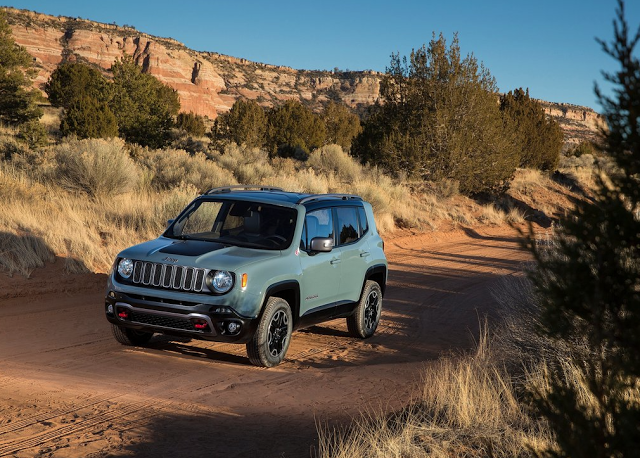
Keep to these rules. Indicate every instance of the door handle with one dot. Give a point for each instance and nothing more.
(364, 254)
(335, 261)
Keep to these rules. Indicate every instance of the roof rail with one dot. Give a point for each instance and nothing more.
(332, 196)
(242, 187)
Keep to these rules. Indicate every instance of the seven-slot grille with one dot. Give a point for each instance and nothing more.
(169, 276)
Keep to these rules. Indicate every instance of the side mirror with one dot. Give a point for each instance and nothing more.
(321, 244)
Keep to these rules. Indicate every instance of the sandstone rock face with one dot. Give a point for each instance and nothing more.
(209, 83)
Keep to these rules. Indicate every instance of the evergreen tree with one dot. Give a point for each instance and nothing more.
(244, 124)
(439, 119)
(87, 117)
(144, 107)
(342, 125)
(538, 137)
(590, 286)
(293, 126)
(73, 80)
(18, 100)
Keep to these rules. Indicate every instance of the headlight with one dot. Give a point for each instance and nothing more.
(125, 267)
(220, 281)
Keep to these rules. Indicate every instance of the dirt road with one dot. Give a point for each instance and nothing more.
(67, 389)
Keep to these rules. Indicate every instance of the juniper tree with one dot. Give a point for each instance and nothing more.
(590, 285)
(18, 100)
(439, 119)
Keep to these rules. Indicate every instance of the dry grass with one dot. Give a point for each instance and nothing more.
(87, 199)
(41, 221)
(469, 407)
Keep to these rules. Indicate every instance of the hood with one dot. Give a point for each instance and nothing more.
(197, 253)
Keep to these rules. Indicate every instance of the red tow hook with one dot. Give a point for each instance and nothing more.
(201, 325)
(123, 314)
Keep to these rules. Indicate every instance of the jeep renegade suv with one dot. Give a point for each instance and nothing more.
(250, 264)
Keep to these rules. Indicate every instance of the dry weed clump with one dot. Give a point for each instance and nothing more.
(41, 221)
(96, 167)
(167, 169)
(469, 407)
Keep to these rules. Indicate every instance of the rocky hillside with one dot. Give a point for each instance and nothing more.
(209, 83)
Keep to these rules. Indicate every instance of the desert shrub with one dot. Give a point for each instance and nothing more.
(248, 165)
(333, 159)
(9, 147)
(582, 149)
(95, 167)
(33, 134)
(170, 168)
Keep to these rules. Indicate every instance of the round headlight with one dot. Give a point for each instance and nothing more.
(125, 268)
(221, 281)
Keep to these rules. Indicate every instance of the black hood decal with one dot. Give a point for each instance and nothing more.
(192, 247)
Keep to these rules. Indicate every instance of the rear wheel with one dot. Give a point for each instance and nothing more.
(269, 344)
(365, 318)
(127, 336)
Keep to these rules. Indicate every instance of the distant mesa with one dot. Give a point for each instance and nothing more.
(209, 83)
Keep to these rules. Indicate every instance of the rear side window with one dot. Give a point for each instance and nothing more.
(347, 225)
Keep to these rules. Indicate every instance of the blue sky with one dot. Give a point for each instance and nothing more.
(546, 45)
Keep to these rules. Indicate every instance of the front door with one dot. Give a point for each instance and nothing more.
(320, 282)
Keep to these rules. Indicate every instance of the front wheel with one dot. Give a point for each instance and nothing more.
(127, 336)
(269, 344)
(365, 318)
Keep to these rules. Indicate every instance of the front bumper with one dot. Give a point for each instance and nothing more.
(198, 321)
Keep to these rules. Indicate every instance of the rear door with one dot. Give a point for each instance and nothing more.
(354, 251)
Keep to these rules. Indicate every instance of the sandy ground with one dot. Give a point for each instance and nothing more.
(67, 389)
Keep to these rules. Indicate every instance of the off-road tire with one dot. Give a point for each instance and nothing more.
(269, 344)
(364, 321)
(131, 337)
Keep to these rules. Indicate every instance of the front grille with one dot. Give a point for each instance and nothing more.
(161, 320)
(169, 276)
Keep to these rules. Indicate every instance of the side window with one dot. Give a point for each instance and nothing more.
(347, 224)
(318, 223)
(364, 224)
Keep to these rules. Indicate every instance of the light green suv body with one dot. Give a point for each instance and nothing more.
(250, 265)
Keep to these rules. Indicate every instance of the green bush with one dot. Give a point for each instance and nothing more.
(99, 168)
(341, 123)
(191, 123)
(33, 134)
(291, 127)
(71, 81)
(87, 117)
(244, 124)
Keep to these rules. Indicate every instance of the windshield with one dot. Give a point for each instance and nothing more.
(248, 224)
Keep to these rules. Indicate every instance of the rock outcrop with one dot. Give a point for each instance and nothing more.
(209, 83)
